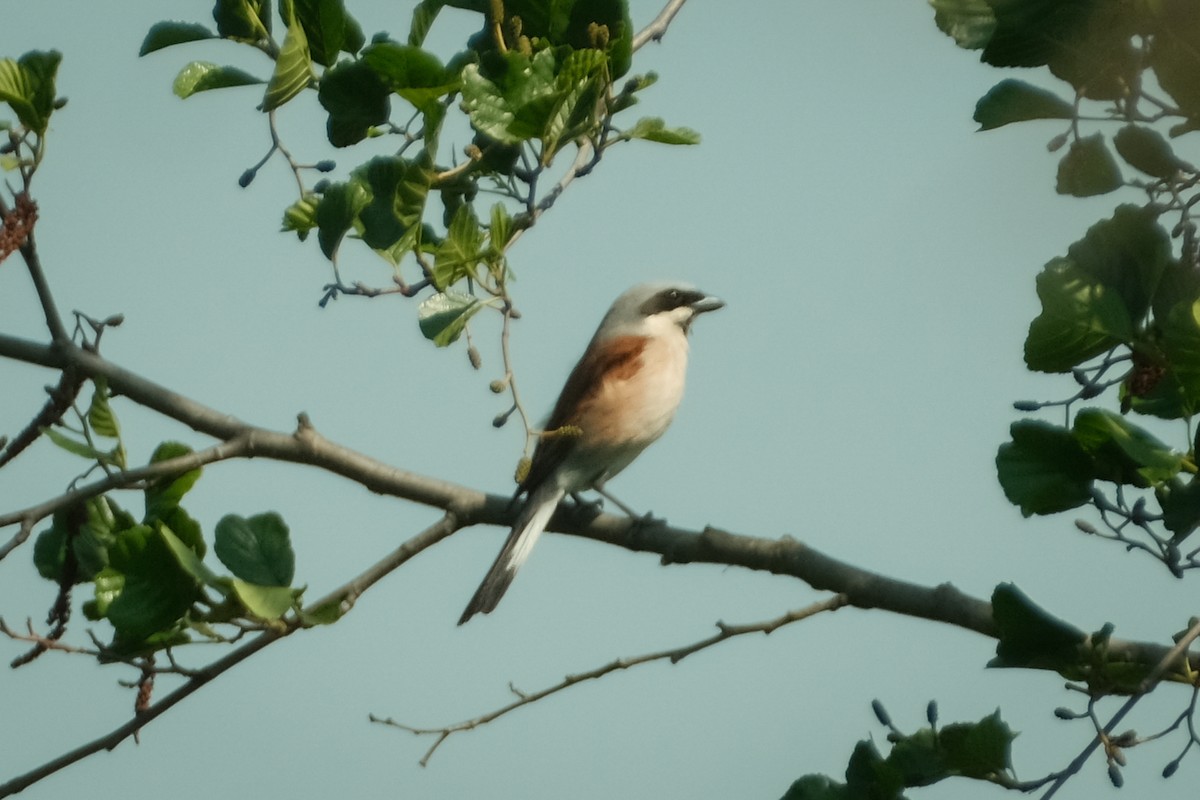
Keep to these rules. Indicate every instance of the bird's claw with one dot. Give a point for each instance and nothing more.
(589, 508)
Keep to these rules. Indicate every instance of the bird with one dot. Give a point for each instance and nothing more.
(620, 397)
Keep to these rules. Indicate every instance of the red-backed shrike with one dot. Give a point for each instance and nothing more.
(621, 396)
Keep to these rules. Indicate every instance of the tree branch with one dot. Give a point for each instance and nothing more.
(674, 655)
(58, 331)
(658, 26)
(783, 556)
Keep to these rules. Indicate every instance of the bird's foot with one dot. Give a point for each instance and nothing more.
(588, 508)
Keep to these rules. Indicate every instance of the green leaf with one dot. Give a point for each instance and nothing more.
(27, 85)
(424, 13)
(1012, 100)
(460, 252)
(1081, 318)
(1043, 470)
(398, 188)
(444, 316)
(1180, 343)
(1088, 169)
(73, 445)
(248, 20)
(100, 414)
(90, 528)
(415, 74)
(264, 602)
(1129, 252)
(1146, 150)
(337, 212)
(163, 494)
(1180, 505)
(328, 29)
(301, 216)
(1084, 43)
(980, 749)
(201, 76)
(500, 230)
(157, 591)
(869, 775)
(969, 22)
(188, 559)
(186, 529)
(256, 549)
(1124, 452)
(612, 15)
(107, 584)
(817, 787)
(653, 129)
(325, 614)
(293, 68)
(1174, 55)
(356, 99)
(103, 523)
(519, 108)
(918, 758)
(1031, 637)
(168, 34)
(489, 111)
(50, 551)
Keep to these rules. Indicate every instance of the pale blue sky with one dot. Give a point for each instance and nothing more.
(877, 256)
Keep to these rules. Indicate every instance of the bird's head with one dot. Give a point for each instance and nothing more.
(650, 309)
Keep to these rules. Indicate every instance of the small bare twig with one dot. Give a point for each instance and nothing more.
(674, 655)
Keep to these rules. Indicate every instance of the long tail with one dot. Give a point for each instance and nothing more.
(533, 519)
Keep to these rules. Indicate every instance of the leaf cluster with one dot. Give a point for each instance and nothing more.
(979, 750)
(537, 78)
(147, 574)
(1120, 311)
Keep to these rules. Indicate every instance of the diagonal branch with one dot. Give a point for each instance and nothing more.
(674, 655)
(58, 331)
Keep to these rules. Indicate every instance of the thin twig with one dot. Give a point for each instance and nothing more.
(658, 26)
(674, 655)
(1151, 680)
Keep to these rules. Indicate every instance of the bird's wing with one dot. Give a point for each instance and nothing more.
(617, 359)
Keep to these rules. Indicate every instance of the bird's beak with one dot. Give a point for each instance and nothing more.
(707, 304)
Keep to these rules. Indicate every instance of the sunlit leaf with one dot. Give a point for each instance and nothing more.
(293, 69)
(27, 85)
(1129, 454)
(653, 129)
(969, 22)
(444, 316)
(201, 76)
(1080, 319)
